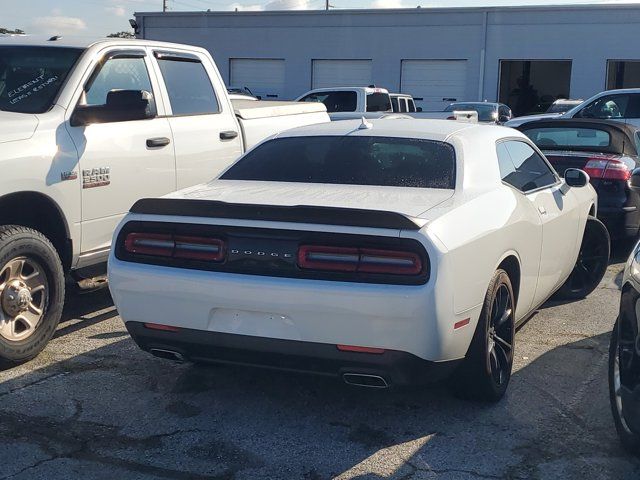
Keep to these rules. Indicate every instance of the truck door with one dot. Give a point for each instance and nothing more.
(205, 130)
(120, 161)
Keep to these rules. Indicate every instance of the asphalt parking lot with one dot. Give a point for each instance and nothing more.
(94, 406)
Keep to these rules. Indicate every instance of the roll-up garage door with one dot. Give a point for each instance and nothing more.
(434, 83)
(264, 77)
(341, 73)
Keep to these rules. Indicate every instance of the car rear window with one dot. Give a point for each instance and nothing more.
(341, 101)
(357, 160)
(567, 137)
(378, 102)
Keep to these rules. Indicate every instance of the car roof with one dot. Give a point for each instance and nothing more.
(427, 129)
(622, 134)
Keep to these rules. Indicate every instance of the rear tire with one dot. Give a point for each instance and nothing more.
(592, 263)
(32, 287)
(629, 439)
(486, 370)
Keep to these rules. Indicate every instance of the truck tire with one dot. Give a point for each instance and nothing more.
(32, 288)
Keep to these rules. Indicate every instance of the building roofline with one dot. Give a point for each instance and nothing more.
(421, 10)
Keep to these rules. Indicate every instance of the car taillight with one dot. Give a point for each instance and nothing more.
(607, 168)
(365, 260)
(175, 246)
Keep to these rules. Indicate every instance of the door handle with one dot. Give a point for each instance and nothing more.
(542, 210)
(158, 142)
(449, 99)
(228, 135)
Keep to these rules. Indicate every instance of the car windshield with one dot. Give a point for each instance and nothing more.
(562, 107)
(30, 77)
(346, 160)
(568, 137)
(486, 113)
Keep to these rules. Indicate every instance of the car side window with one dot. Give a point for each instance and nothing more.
(612, 106)
(189, 88)
(522, 167)
(117, 74)
(412, 106)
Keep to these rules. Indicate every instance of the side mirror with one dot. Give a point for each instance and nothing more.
(575, 177)
(504, 118)
(418, 109)
(121, 106)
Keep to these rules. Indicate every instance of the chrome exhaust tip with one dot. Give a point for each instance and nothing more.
(167, 354)
(364, 380)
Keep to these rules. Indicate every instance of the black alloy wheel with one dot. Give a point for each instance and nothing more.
(485, 373)
(591, 265)
(624, 369)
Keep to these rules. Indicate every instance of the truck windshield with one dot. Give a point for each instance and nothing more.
(30, 77)
(358, 160)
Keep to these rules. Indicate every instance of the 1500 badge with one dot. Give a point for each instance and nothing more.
(96, 177)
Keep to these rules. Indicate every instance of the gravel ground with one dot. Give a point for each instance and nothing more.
(93, 406)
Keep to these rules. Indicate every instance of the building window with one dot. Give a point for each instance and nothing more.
(623, 74)
(531, 86)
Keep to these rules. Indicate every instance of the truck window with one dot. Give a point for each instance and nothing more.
(334, 101)
(30, 77)
(412, 105)
(117, 74)
(395, 104)
(378, 102)
(189, 88)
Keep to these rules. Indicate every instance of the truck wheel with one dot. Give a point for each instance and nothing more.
(485, 373)
(591, 265)
(31, 292)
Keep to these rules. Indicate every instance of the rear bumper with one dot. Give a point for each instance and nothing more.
(397, 368)
(620, 221)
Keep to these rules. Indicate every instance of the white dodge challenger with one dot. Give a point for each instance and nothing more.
(385, 252)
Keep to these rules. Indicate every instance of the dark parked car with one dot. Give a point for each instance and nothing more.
(608, 151)
(487, 112)
(624, 359)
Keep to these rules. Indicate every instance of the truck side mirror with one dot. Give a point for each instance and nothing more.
(575, 177)
(120, 106)
(418, 109)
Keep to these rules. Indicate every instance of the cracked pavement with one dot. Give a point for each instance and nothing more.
(93, 406)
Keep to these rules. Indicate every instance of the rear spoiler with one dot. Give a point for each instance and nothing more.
(352, 217)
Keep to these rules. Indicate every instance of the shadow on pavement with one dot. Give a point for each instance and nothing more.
(121, 411)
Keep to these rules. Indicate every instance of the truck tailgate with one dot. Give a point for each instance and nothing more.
(261, 119)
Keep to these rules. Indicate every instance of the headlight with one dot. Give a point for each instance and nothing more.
(633, 263)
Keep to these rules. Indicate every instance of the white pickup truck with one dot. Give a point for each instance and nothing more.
(87, 129)
(347, 103)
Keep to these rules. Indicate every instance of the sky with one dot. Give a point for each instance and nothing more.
(101, 17)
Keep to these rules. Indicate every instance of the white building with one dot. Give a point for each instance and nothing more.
(522, 56)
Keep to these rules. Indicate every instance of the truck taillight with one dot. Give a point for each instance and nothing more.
(364, 260)
(607, 168)
(175, 246)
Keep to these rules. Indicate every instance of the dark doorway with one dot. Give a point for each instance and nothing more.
(531, 86)
(623, 74)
